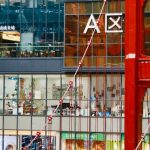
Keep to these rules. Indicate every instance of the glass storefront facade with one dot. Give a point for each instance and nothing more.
(101, 52)
(106, 49)
(31, 28)
(32, 94)
(92, 114)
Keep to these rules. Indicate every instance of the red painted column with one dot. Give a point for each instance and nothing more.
(130, 75)
(133, 92)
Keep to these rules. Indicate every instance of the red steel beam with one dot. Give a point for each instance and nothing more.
(134, 92)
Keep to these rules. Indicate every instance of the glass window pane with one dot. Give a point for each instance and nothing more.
(71, 29)
(51, 106)
(53, 87)
(38, 107)
(84, 38)
(65, 82)
(97, 94)
(147, 6)
(10, 141)
(25, 94)
(99, 61)
(147, 49)
(11, 92)
(114, 61)
(28, 91)
(114, 50)
(71, 61)
(25, 87)
(113, 90)
(71, 50)
(85, 8)
(100, 37)
(71, 8)
(82, 49)
(1, 86)
(147, 27)
(114, 38)
(39, 86)
(97, 6)
(99, 50)
(114, 6)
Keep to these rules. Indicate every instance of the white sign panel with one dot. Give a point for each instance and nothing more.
(113, 23)
(91, 24)
(7, 28)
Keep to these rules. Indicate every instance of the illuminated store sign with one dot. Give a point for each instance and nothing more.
(83, 136)
(7, 28)
(112, 23)
(12, 36)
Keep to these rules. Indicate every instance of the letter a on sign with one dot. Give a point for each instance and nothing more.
(91, 24)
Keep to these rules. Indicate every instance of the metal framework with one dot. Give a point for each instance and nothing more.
(137, 72)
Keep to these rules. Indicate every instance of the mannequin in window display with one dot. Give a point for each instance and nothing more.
(70, 145)
(98, 145)
(9, 147)
(8, 108)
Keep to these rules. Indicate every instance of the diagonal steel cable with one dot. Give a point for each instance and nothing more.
(70, 84)
(143, 136)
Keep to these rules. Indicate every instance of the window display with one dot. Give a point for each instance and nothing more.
(9, 142)
(28, 28)
(84, 141)
(39, 94)
(41, 143)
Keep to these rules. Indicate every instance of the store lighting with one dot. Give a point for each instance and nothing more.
(12, 36)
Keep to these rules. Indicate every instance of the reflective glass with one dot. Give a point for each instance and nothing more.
(25, 95)
(53, 87)
(71, 29)
(82, 48)
(99, 50)
(85, 8)
(114, 49)
(147, 6)
(71, 50)
(97, 6)
(11, 92)
(99, 61)
(114, 6)
(147, 27)
(114, 61)
(39, 86)
(26, 26)
(71, 8)
(114, 38)
(1, 87)
(71, 61)
(147, 49)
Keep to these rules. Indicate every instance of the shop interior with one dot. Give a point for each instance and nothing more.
(39, 95)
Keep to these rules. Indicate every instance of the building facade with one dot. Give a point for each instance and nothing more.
(41, 45)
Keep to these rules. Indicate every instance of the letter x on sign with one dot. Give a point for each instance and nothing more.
(113, 22)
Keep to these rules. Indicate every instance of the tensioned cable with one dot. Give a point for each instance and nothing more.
(143, 136)
(70, 84)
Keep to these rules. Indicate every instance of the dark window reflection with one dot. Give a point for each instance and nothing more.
(85, 8)
(71, 8)
(147, 49)
(71, 29)
(114, 50)
(40, 24)
(82, 48)
(71, 50)
(99, 50)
